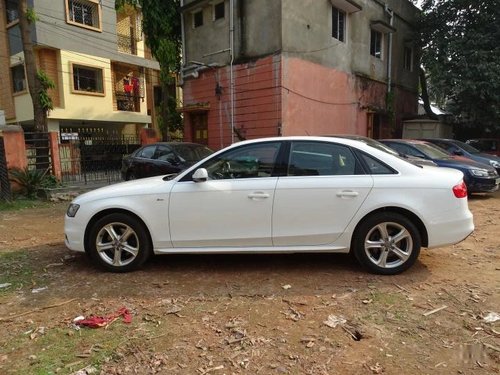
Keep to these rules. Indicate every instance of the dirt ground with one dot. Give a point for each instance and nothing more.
(248, 314)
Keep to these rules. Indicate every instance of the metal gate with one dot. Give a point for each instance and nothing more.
(92, 155)
(38, 151)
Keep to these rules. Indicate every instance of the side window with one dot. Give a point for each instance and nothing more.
(249, 161)
(375, 166)
(321, 159)
(165, 154)
(147, 152)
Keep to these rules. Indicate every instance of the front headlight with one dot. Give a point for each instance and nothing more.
(495, 164)
(479, 172)
(72, 209)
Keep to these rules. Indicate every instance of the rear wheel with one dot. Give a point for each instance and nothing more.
(387, 243)
(119, 243)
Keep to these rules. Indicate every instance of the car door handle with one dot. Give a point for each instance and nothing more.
(258, 195)
(347, 194)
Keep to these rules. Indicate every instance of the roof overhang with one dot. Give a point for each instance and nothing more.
(193, 5)
(348, 6)
(382, 27)
(195, 107)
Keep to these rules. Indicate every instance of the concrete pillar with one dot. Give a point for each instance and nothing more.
(55, 157)
(148, 136)
(15, 147)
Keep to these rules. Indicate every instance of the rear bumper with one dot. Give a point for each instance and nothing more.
(452, 230)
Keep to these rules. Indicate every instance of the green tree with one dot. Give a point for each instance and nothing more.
(38, 82)
(461, 59)
(161, 25)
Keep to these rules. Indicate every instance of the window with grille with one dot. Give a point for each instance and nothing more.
(18, 78)
(11, 10)
(219, 11)
(338, 24)
(84, 12)
(408, 58)
(376, 44)
(198, 18)
(87, 79)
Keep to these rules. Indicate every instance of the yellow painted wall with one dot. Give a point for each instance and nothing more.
(81, 106)
(77, 106)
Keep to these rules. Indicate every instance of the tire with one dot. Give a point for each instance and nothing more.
(119, 243)
(386, 243)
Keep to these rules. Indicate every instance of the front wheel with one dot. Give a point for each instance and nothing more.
(119, 243)
(386, 243)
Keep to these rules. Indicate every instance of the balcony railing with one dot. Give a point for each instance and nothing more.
(127, 44)
(127, 102)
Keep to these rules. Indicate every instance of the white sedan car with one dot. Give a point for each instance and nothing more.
(286, 194)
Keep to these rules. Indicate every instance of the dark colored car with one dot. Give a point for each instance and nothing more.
(162, 158)
(479, 178)
(486, 145)
(380, 146)
(463, 149)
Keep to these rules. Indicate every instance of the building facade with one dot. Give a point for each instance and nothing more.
(255, 68)
(103, 73)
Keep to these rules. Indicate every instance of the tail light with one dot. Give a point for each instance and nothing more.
(460, 190)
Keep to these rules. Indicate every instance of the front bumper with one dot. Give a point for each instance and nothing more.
(483, 185)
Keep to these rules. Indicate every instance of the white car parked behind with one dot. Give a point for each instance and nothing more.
(286, 194)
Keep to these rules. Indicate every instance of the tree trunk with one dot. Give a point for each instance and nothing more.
(34, 85)
(425, 95)
(165, 111)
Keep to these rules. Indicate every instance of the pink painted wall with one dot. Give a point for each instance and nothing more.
(279, 95)
(319, 100)
(257, 105)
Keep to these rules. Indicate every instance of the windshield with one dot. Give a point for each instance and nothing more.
(432, 151)
(467, 147)
(192, 153)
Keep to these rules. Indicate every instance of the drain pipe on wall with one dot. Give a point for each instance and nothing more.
(231, 73)
(390, 12)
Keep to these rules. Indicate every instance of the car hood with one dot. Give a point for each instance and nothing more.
(487, 157)
(462, 163)
(151, 185)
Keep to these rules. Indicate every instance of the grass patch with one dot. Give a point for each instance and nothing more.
(16, 269)
(64, 351)
(21, 204)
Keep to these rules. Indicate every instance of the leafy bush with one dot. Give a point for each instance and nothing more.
(31, 180)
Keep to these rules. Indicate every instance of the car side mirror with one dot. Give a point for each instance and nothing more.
(200, 175)
(458, 152)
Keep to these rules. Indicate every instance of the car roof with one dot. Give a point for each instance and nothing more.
(410, 141)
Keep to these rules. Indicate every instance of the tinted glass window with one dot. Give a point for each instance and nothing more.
(467, 147)
(147, 152)
(321, 159)
(164, 153)
(249, 161)
(375, 166)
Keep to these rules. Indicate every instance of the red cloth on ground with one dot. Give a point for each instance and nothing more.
(99, 321)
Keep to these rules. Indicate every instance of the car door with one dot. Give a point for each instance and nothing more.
(142, 162)
(233, 208)
(324, 188)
